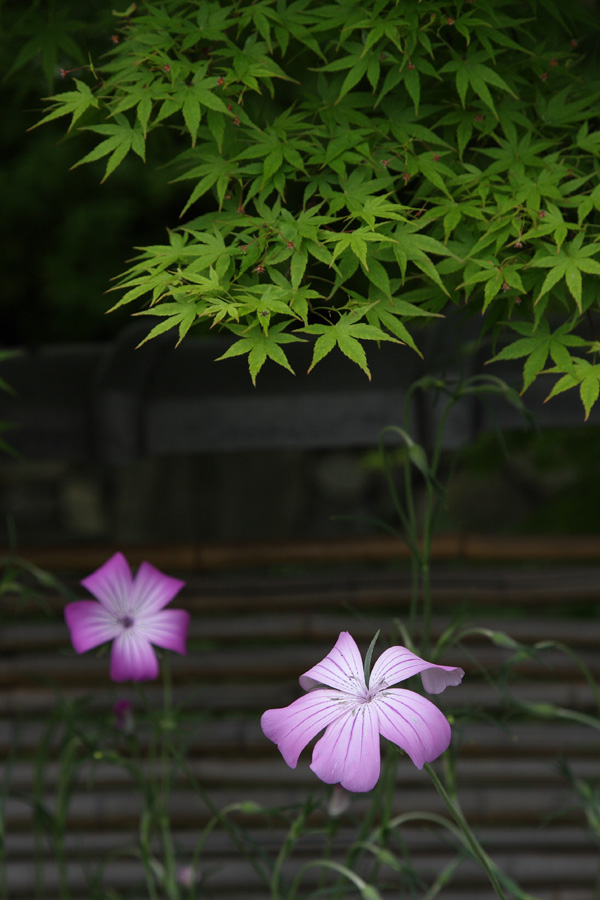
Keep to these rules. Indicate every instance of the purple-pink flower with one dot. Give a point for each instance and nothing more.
(130, 612)
(354, 715)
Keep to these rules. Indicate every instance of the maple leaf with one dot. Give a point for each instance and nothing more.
(585, 375)
(386, 313)
(568, 263)
(347, 333)
(260, 346)
(537, 345)
(177, 315)
(121, 138)
(70, 103)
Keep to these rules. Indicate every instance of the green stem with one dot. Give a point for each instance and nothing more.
(471, 841)
(171, 885)
(434, 495)
(284, 852)
(389, 780)
(415, 591)
(165, 726)
(146, 856)
(158, 788)
(365, 889)
(63, 875)
(167, 686)
(377, 804)
(407, 520)
(425, 571)
(411, 525)
(332, 828)
(389, 476)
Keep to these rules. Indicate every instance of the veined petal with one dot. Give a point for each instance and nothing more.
(90, 624)
(349, 751)
(398, 663)
(152, 589)
(133, 658)
(342, 668)
(111, 584)
(167, 628)
(438, 678)
(414, 723)
(293, 726)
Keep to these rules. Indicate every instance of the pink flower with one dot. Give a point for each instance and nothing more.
(354, 715)
(130, 612)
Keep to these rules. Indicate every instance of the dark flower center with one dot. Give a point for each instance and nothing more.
(126, 621)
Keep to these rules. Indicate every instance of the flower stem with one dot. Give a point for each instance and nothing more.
(166, 725)
(295, 831)
(470, 840)
(380, 807)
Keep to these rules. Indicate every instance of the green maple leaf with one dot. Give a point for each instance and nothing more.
(260, 346)
(121, 138)
(356, 62)
(268, 300)
(347, 333)
(538, 345)
(356, 241)
(386, 314)
(70, 103)
(192, 100)
(270, 149)
(568, 263)
(142, 96)
(584, 374)
(177, 315)
(51, 39)
(157, 282)
(471, 71)
(414, 247)
(219, 309)
(377, 207)
(495, 277)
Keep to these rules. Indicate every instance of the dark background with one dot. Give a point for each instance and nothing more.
(64, 236)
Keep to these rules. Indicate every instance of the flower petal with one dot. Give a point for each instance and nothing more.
(438, 678)
(342, 668)
(349, 751)
(133, 658)
(414, 723)
(167, 628)
(152, 589)
(90, 624)
(111, 584)
(398, 663)
(293, 726)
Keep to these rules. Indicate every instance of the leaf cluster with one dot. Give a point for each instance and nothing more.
(356, 169)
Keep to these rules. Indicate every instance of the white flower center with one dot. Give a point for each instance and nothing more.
(373, 691)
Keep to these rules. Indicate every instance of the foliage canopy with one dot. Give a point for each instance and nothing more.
(355, 169)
